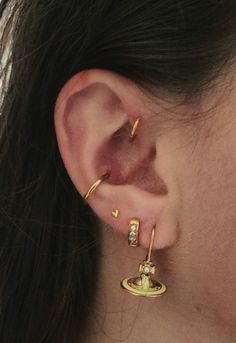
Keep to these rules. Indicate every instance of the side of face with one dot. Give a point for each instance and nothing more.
(204, 160)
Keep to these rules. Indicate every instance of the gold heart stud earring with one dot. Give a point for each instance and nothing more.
(144, 285)
(115, 213)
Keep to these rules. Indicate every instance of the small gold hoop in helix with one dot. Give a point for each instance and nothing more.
(133, 131)
(95, 185)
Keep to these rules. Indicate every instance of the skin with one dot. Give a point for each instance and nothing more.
(180, 178)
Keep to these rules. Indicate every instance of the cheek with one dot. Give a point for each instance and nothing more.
(208, 222)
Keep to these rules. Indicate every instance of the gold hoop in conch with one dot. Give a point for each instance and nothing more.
(95, 185)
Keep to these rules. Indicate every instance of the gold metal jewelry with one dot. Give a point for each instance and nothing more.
(144, 285)
(115, 213)
(133, 131)
(133, 239)
(95, 185)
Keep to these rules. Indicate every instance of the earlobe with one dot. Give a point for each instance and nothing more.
(97, 116)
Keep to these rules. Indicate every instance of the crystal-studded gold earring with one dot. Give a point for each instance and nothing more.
(144, 285)
(133, 233)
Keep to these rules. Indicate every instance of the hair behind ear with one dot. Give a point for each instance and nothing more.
(49, 238)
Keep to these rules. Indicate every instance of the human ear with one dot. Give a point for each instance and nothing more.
(94, 114)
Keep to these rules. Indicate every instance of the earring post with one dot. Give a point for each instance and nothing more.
(151, 245)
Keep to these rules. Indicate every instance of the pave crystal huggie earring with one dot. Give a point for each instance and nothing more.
(133, 234)
(144, 285)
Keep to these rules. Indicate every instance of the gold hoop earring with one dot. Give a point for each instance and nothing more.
(133, 131)
(144, 285)
(133, 234)
(95, 185)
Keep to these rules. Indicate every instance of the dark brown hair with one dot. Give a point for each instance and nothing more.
(50, 240)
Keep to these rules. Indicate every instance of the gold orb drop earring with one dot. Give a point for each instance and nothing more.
(144, 285)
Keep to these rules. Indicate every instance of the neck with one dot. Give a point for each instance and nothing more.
(174, 317)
